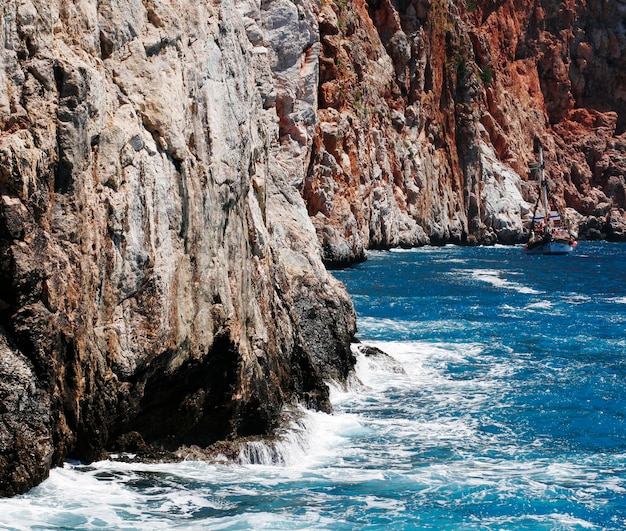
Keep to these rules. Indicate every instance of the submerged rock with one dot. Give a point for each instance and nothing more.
(384, 361)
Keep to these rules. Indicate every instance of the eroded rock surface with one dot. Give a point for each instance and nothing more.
(161, 281)
(430, 112)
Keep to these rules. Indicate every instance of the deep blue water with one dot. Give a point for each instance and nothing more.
(501, 405)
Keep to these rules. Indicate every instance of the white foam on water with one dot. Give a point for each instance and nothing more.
(310, 520)
(424, 369)
(576, 298)
(119, 495)
(404, 327)
(540, 305)
(70, 499)
(553, 521)
(496, 278)
(425, 249)
(473, 481)
(426, 365)
(408, 428)
(432, 407)
(451, 261)
(289, 447)
(564, 521)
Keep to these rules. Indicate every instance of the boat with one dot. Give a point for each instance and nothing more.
(548, 234)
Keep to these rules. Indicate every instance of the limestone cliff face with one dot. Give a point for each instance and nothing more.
(160, 278)
(430, 111)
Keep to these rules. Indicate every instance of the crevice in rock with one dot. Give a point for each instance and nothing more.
(194, 403)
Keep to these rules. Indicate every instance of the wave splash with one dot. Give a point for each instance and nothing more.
(417, 431)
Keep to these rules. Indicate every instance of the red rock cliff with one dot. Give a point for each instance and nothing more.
(429, 113)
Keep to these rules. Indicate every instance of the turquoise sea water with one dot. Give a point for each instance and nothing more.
(501, 406)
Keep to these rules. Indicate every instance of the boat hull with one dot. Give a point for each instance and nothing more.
(551, 247)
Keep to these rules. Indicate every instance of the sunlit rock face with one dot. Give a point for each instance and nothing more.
(174, 174)
(161, 281)
(430, 114)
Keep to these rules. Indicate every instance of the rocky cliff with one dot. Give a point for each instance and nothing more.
(161, 283)
(429, 112)
(174, 173)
